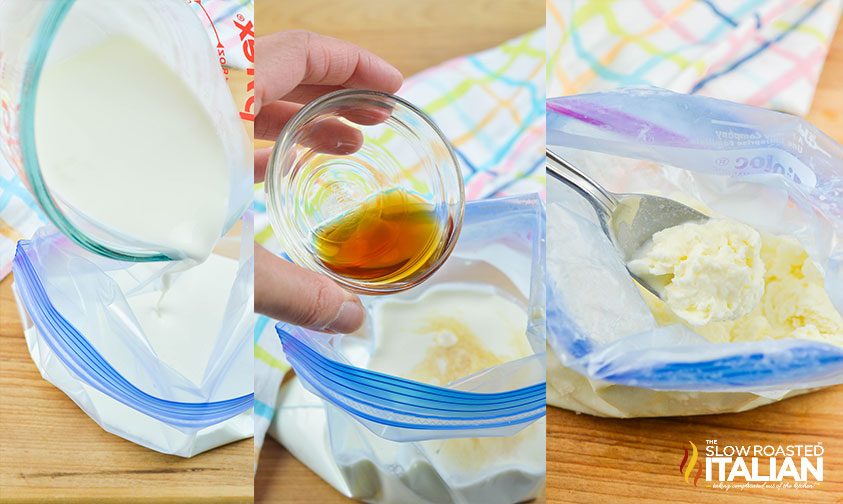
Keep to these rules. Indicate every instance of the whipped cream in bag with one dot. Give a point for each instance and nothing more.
(768, 170)
(706, 272)
(450, 331)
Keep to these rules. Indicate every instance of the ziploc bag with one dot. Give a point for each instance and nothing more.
(382, 438)
(772, 171)
(169, 394)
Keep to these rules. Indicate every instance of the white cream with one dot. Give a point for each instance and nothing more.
(182, 322)
(126, 143)
(448, 333)
(708, 272)
(452, 331)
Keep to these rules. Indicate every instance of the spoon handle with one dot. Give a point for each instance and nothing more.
(602, 200)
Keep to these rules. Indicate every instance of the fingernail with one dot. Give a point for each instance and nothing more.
(348, 319)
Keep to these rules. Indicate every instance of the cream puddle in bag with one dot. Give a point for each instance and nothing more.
(450, 332)
(182, 320)
(453, 330)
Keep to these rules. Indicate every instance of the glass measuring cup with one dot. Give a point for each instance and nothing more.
(34, 35)
(364, 188)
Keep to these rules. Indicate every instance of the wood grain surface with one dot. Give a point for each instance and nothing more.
(50, 451)
(281, 478)
(412, 35)
(599, 460)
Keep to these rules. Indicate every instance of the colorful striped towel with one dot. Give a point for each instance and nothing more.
(490, 105)
(767, 53)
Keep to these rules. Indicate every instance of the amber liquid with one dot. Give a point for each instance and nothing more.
(390, 237)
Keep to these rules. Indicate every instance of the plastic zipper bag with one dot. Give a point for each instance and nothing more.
(379, 437)
(772, 171)
(169, 392)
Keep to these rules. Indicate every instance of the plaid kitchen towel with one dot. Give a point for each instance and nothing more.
(766, 53)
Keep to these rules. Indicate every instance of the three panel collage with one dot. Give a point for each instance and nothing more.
(421, 251)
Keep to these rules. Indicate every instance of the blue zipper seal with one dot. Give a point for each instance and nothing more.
(83, 360)
(372, 396)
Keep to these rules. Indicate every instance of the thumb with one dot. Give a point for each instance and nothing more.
(292, 294)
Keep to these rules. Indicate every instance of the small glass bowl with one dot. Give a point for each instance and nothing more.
(344, 151)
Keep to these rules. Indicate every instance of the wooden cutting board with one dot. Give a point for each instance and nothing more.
(599, 460)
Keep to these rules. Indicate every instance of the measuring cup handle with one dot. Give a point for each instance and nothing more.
(602, 200)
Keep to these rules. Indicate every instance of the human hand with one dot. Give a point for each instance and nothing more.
(292, 68)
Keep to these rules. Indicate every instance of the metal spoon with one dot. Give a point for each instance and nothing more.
(629, 220)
